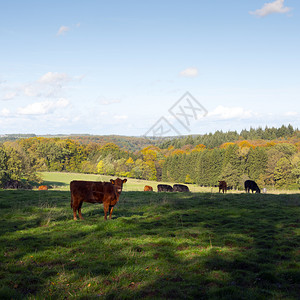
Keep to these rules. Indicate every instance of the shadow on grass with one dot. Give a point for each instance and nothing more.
(162, 246)
(55, 184)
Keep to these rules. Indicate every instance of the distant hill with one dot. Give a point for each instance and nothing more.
(210, 140)
(129, 143)
(14, 137)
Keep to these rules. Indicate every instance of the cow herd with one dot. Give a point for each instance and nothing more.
(248, 184)
(109, 193)
(175, 188)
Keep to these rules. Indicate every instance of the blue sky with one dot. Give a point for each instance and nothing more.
(117, 67)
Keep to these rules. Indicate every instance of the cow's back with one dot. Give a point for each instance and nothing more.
(222, 186)
(43, 188)
(180, 188)
(80, 189)
(164, 188)
(89, 191)
(251, 185)
(148, 188)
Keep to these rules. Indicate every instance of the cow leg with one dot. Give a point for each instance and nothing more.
(79, 212)
(106, 209)
(74, 213)
(75, 208)
(111, 208)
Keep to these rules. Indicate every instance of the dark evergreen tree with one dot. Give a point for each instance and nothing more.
(232, 160)
(256, 162)
(283, 173)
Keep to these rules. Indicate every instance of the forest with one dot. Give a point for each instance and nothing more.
(270, 156)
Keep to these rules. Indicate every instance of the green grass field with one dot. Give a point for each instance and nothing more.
(198, 245)
(61, 181)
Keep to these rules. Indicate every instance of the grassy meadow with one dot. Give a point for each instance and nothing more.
(199, 245)
(61, 181)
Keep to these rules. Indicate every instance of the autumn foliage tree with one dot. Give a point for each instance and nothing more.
(270, 156)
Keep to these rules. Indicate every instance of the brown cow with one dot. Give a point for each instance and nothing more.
(107, 193)
(222, 186)
(148, 188)
(43, 188)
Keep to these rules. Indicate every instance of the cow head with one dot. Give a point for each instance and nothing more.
(118, 183)
(258, 190)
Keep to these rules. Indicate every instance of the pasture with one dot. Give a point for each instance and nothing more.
(60, 181)
(157, 246)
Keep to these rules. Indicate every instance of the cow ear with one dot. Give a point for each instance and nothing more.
(125, 180)
(112, 181)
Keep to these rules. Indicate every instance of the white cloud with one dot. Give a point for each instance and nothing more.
(109, 101)
(31, 91)
(189, 72)
(62, 103)
(291, 114)
(224, 113)
(48, 85)
(5, 112)
(9, 95)
(270, 8)
(62, 30)
(120, 117)
(43, 108)
(54, 78)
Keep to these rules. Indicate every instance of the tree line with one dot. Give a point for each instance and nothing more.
(212, 140)
(130, 143)
(271, 162)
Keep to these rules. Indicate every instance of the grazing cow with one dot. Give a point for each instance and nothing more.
(148, 188)
(222, 186)
(107, 193)
(43, 188)
(164, 188)
(180, 188)
(251, 185)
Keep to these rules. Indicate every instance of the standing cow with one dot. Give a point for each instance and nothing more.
(180, 188)
(222, 186)
(107, 193)
(164, 188)
(251, 185)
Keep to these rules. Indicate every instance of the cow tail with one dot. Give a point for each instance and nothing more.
(71, 190)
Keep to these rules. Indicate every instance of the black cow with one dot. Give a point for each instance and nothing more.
(180, 188)
(251, 185)
(164, 188)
